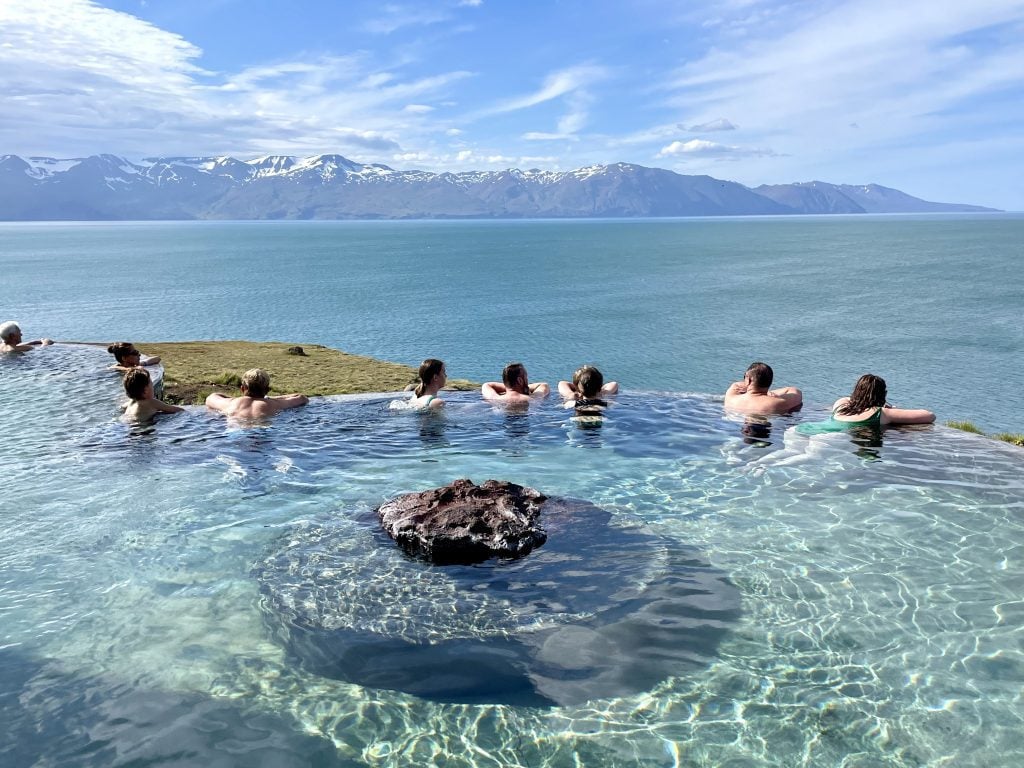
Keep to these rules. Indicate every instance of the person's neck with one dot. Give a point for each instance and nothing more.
(755, 391)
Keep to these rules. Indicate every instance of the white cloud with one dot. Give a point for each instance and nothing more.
(418, 109)
(471, 3)
(544, 136)
(704, 148)
(80, 78)
(394, 17)
(721, 124)
(557, 84)
(898, 70)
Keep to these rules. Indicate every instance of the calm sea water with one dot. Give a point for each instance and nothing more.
(932, 304)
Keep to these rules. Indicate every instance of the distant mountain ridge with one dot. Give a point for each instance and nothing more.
(108, 187)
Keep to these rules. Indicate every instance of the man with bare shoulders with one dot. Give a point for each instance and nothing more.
(752, 395)
(515, 388)
(254, 403)
(10, 339)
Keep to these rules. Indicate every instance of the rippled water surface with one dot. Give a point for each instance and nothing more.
(199, 593)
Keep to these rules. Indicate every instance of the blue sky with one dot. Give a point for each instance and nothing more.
(923, 95)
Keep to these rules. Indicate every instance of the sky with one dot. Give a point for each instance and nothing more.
(926, 96)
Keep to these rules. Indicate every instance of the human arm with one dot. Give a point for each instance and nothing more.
(492, 390)
(735, 389)
(791, 395)
(611, 388)
(155, 360)
(218, 402)
(294, 400)
(163, 407)
(567, 390)
(540, 389)
(907, 415)
(39, 343)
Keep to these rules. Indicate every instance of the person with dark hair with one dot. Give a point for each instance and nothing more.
(514, 388)
(254, 402)
(432, 377)
(128, 357)
(10, 339)
(142, 403)
(586, 390)
(866, 407)
(753, 393)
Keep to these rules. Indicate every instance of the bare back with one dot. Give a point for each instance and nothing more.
(246, 407)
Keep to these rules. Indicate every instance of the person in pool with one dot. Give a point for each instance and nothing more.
(753, 395)
(254, 403)
(142, 403)
(128, 357)
(10, 339)
(432, 377)
(515, 388)
(866, 407)
(586, 390)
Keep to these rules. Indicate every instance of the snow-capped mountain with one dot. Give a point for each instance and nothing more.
(334, 187)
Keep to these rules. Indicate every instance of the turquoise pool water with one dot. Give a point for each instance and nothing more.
(175, 595)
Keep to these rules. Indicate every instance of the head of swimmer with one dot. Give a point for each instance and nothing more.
(868, 392)
(758, 377)
(432, 375)
(125, 353)
(588, 381)
(137, 384)
(255, 383)
(514, 378)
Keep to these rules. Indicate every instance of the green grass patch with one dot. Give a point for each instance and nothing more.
(194, 369)
(964, 426)
(1006, 437)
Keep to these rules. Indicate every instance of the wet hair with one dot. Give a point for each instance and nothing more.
(511, 374)
(429, 368)
(588, 381)
(135, 382)
(760, 375)
(8, 329)
(869, 392)
(122, 349)
(256, 382)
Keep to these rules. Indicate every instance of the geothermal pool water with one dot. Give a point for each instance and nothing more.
(201, 593)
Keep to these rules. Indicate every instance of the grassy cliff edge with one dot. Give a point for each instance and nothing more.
(194, 369)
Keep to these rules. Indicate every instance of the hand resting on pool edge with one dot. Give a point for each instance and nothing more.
(254, 403)
(10, 339)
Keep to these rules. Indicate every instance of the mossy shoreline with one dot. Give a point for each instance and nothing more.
(1006, 437)
(194, 369)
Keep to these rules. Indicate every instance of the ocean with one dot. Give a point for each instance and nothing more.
(930, 303)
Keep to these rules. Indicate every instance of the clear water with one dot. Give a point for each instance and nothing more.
(838, 600)
(932, 304)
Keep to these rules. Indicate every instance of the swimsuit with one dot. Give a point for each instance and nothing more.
(836, 425)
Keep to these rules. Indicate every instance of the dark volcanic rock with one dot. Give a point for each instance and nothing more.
(605, 608)
(466, 523)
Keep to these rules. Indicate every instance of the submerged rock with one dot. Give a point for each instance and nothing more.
(466, 523)
(605, 608)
